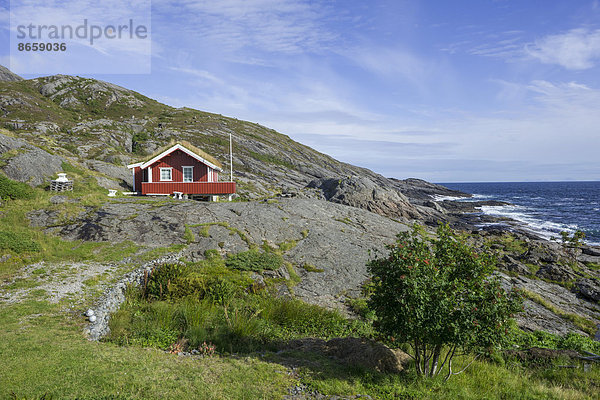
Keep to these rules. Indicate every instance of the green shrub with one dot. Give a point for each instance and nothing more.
(189, 285)
(220, 290)
(160, 283)
(19, 243)
(212, 254)
(439, 296)
(10, 189)
(254, 260)
(154, 337)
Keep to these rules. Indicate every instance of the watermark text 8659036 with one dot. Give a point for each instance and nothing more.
(80, 37)
(42, 46)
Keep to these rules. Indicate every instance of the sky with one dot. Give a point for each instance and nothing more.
(447, 91)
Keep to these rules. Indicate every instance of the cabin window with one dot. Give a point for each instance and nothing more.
(188, 174)
(166, 174)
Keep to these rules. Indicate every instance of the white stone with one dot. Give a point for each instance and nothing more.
(93, 318)
(89, 313)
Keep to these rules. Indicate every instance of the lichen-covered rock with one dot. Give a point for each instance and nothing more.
(557, 273)
(362, 192)
(29, 164)
(8, 76)
(589, 289)
(356, 352)
(334, 238)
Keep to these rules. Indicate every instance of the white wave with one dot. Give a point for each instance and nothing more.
(482, 196)
(543, 228)
(439, 197)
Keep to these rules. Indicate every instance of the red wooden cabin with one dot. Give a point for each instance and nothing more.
(179, 169)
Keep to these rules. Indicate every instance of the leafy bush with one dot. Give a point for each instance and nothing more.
(439, 296)
(19, 243)
(189, 285)
(10, 189)
(254, 260)
(159, 284)
(220, 290)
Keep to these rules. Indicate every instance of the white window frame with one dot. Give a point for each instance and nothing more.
(209, 177)
(183, 168)
(170, 174)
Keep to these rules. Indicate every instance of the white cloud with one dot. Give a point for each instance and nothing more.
(392, 63)
(272, 26)
(577, 49)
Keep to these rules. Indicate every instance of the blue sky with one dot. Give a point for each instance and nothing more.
(447, 91)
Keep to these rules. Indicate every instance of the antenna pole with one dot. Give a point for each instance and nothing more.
(230, 163)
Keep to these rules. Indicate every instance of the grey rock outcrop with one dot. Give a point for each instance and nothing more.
(122, 175)
(28, 164)
(589, 289)
(362, 192)
(7, 75)
(557, 273)
(419, 190)
(539, 317)
(334, 238)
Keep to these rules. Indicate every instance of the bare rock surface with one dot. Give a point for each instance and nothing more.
(334, 238)
(362, 192)
(7, 75)
(28, 163)
(539, 317)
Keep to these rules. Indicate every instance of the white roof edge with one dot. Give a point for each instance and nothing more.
(177, 147)
(134, 165)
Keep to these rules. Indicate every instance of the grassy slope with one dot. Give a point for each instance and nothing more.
(43, 351)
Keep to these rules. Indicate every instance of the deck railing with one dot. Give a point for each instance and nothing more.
(202, 188)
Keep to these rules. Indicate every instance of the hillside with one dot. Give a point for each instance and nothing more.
(316, 217)
(104, 127)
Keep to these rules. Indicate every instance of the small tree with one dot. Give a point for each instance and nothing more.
(438, 296)
(571, 243)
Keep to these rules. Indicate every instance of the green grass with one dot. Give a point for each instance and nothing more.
(591, 265)
(44, 352)
(28, 244)
(287, 245)
(254, 260)
(232, 231)
(483, 380)
(188, 235)
(311, 268)
(10, 189)
(509, 243)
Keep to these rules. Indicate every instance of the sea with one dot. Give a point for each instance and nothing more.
(544, 208)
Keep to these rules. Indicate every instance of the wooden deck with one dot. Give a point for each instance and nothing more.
(202, 188)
